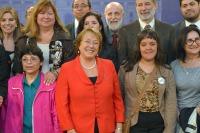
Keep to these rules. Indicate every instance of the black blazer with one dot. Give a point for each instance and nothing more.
(4, 72)
(71, 29)
(128, 38)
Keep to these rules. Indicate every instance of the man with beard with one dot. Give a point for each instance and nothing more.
(114, 13)
(79, 9)
(146, 19)
(190, 10)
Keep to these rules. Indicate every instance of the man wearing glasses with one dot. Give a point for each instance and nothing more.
(79, 9)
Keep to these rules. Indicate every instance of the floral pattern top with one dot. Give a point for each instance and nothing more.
(149, 101)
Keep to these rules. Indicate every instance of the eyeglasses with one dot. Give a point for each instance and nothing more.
(31, 59)
(191, 42)
(76, 6)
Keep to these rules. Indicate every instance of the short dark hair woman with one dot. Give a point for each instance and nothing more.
(149, 88)
(30, 104)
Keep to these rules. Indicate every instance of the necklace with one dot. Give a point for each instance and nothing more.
(89, 68)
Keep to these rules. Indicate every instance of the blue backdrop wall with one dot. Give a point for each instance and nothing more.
(168, 10)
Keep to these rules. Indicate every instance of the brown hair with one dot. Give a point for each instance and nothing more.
(136, 55)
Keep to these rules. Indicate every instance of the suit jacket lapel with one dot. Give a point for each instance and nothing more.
(161, 73)
(157, 28)
(137, 28)
(131, 78)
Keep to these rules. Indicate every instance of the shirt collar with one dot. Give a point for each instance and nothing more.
(35, 83)
(187, 23)
(143, 24)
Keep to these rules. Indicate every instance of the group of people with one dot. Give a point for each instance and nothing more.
(89, 78)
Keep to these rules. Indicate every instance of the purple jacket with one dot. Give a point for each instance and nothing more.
(43, 110)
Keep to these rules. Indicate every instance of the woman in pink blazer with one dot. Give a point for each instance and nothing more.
(88, 98)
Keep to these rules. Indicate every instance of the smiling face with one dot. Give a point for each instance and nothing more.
(190, 10)
(192, 46)
(146, 9)
(89, 46)
(114, 16)
(46, 18)
(92, 23)
(148, 49)
(8, 23)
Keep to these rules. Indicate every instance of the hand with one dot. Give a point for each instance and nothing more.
(71, 131)
(1, 100)
(49, 78)
(118, 128)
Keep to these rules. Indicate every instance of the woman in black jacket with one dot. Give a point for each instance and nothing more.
(4, 74)
(46, 30)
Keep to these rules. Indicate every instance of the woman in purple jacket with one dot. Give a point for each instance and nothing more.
(30, 105)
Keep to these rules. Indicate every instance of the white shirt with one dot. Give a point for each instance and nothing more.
(76, 23)
(187, 23)
(45, 51)
(143, 24)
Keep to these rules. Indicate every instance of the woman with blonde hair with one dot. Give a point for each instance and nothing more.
(46, 30)
(10, 30)
(9, 33)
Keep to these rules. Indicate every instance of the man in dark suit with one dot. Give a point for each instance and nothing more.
(128, 34)
(114, 14)
(190, 10)
(79, 9)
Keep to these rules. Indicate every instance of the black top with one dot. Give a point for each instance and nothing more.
(93, 79)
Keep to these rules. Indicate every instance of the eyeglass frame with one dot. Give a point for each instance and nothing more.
(31, 59)
(197, 41)
(82, 6)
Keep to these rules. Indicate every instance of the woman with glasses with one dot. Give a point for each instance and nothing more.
(88, 98)
(30, 105)
(187, 74)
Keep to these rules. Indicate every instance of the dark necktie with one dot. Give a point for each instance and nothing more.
(147, 27)
(115, 40)
(193, 25)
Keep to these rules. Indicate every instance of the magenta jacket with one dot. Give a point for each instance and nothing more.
(44, 113)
